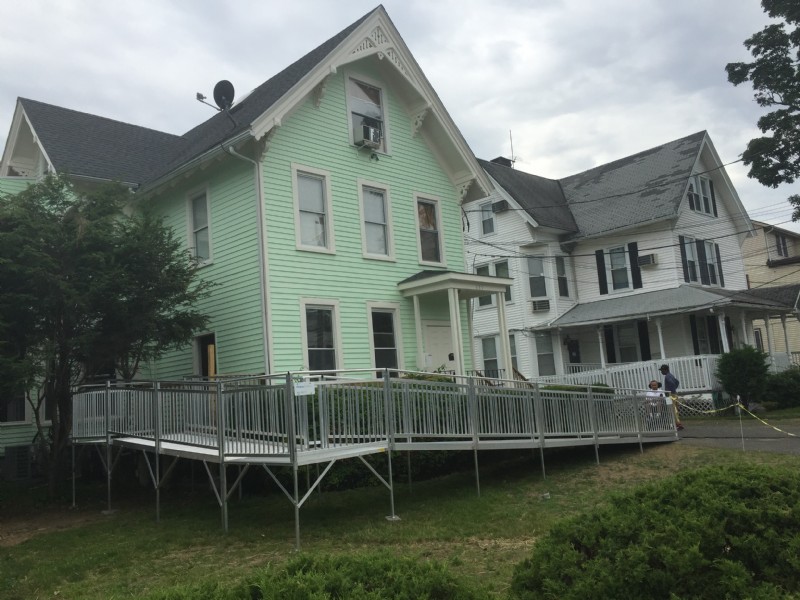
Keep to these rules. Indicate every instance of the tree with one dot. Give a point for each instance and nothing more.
(85, 290)
(775, 76)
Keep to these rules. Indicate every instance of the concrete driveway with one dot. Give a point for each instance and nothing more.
(751, 435)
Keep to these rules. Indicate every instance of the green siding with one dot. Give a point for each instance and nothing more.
(16, 435)
(14, 185)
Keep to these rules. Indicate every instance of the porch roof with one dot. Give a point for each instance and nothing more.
(682, 299)
(468, 285)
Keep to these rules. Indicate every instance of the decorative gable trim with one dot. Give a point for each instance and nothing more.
(20, 118)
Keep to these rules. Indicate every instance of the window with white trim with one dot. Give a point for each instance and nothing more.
(536, 277)
(781, 246)
(618, 268)
(488, 299)
(758, 339)
(500, 269)
(544, 353)
(376, 221)
(691, 258)
(430, 235)
(384, 338)
(12, 410)
(561, 274)
(711, 262)
(487, 219)
(365, 102)
(199, 226)
(490, 363)
(512, 342)
(313, 213)
(700, 194)
(320, 333)
(627, 339)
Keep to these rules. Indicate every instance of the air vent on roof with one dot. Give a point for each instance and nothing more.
(499, 206)
(502, 160)
(540, 305)
(647, 260)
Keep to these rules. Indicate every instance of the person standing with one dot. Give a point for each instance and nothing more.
(671, 384)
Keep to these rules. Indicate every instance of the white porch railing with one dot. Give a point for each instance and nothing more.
(695, 374)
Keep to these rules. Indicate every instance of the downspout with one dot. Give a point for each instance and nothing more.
(262, 249)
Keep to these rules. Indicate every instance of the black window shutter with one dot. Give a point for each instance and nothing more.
(681, 242)
(713, 197)
(644, 340)
(690, 194)
(611, 355)
(719, 266)
(636, 272)
(601, 272)
(701, 258)
(712, 325)
(695, 341)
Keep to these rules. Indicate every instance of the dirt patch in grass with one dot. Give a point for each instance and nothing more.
(21, 528)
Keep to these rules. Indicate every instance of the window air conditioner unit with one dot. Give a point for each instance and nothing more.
(647, 260)
(368, 136)
(500, 206)
(540, 305)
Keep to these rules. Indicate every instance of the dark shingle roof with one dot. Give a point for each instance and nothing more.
(91, 146)
(542, 198)
(634, 190)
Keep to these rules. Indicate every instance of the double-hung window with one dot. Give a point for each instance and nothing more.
(781, 246)
(376, 220)
(384, 338)
(487, 219)
(500, 270)
(199, 227)
(702, 261)
(618, 267)
(488, 299)
(314, 224)
(561, 274)
(490, 362)
(544, 353)
(711, 262)
(430, 235)
(320, 336)
(689, 247)
(366, 109)
(536, 277)
(700, 194)
(512, 342)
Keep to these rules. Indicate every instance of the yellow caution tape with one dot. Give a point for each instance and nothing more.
(716, 410)
(765, 423)
(702, 412)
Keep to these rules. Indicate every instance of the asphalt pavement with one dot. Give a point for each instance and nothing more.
(749, 434)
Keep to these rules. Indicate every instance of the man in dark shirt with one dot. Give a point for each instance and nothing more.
(671, 385)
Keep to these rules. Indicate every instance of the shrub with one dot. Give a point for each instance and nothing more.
(712, 533)
(783, 389)
(354, 577)
(743, 372)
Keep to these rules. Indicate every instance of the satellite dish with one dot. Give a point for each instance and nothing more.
(223, 94)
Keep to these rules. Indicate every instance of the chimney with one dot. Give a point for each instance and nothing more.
(502, 160)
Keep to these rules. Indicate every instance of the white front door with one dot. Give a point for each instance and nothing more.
(438, 348)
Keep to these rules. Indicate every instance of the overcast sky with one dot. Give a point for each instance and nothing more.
(577, 82)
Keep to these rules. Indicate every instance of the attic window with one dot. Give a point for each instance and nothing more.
(700, 195)
(366, 110)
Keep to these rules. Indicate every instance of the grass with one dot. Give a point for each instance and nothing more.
(127, 554)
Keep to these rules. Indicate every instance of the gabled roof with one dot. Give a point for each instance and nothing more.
(542, 198)
(90, 146)
(684, 298)
(637, 189)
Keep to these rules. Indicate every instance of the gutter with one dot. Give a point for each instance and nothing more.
(262, 250)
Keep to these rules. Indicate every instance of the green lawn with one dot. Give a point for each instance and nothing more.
(127, 554)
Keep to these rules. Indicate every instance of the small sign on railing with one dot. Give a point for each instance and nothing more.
(304, 388)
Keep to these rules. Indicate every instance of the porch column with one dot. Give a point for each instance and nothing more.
(661, 339)
(723, 335)
(455, 330)
(601, 341)
(502, 324)
(769, 340)
(745, 336)
(421, 366)
(786, 339)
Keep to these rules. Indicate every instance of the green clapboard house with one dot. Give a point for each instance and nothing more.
(326, 205)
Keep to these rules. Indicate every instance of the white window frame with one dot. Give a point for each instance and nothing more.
(298, 170)
(690, 249)
(351, 77)
(711, 263)
(562, 262)
(389, 307)
(703, 201)
(512, 345)
(387, 207)
(190, 228)
(491, 270)
(440, 229)
(610, 269)
(325, 303)
(496, 358)
(781, 245)
(543, 276)
(487, 208)
(544, 334)
(487, 300)
(631, 328)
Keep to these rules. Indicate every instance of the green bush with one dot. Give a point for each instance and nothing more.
(743, 372)
(710, 533)
(354, 577)
(782, 390)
